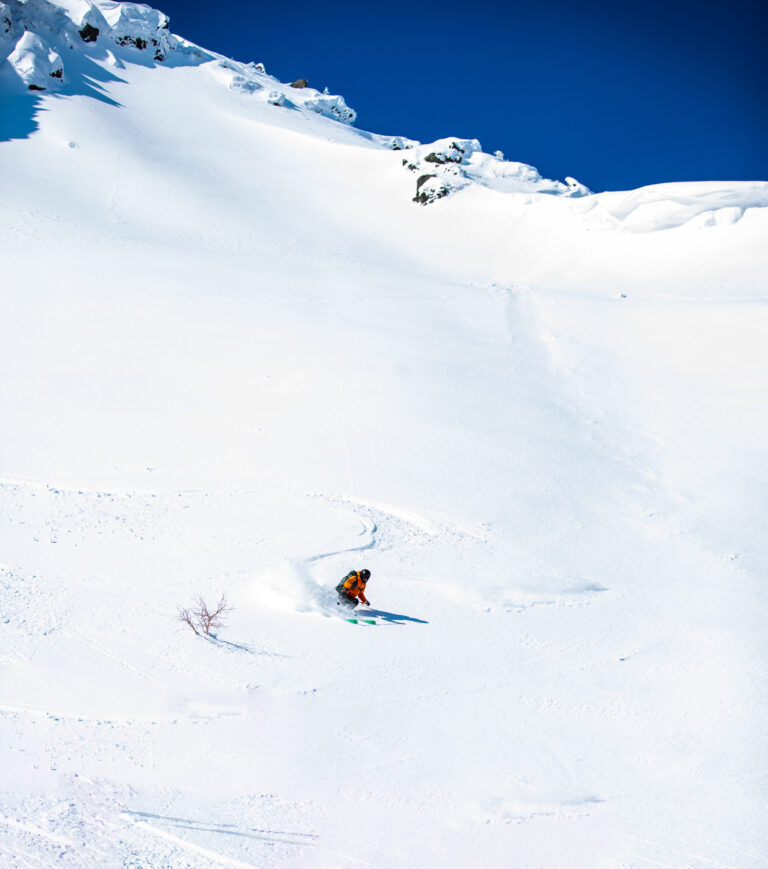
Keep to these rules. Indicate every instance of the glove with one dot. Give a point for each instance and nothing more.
(367, 603)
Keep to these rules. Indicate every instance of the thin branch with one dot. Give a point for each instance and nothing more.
(185, 616)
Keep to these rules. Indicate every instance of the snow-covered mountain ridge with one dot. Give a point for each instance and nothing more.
(37, 35)
(42, 32)
(235, 357)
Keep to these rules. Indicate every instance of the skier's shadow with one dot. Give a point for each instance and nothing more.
(393, 618)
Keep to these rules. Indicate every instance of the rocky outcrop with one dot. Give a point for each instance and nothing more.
(36, 34)
(251, 78)
(43, 29)
(449, 165)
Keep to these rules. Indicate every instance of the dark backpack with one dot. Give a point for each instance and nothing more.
(340, 587)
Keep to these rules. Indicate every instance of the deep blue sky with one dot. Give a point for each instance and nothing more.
(617, 94)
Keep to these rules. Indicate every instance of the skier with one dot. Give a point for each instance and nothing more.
(351, 589)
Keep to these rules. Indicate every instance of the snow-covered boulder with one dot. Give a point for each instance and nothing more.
(37, 64)
(134, 19)
(329, 105)
(140, 26)
(398, 143)
(575, 188)
(439, 167)
(245, 85)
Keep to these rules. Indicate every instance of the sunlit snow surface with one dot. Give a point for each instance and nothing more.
(235, 356)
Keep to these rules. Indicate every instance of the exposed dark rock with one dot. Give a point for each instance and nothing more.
(423, 197)
(159, 56)
(56, 73)
(89, 33)
(140, 43)
(7, 25)
(300, 83)
(442, 157)
(422, 179)
(34, 87)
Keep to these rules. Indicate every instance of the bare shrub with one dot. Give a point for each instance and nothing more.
(203, 619)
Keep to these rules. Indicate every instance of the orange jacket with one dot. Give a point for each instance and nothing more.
(354, 586)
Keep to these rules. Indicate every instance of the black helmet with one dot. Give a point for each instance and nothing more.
(365, 574)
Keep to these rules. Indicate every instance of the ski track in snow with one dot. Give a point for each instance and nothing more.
(48, 520)
(79, 519)
(394, 538)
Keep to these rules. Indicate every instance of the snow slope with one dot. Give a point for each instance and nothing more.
(236, 356)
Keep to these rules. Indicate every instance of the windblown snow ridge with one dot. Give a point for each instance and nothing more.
(38, 30)
(68, 46)
(36, 34)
